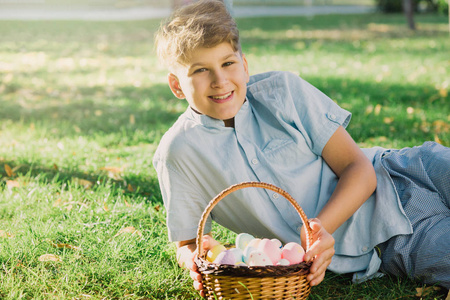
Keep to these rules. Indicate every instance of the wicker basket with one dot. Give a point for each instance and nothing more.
(244, 282)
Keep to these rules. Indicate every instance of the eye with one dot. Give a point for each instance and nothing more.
(228, 63)
(200, 70)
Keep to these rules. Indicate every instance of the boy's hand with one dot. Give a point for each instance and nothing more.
(322, 250)
(186, 257)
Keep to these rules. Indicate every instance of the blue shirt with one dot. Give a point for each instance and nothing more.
(278, 138)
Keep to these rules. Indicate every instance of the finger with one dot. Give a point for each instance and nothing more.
(317, 280)
(324, 245)
(195, 275)
(198, 286)
(317, 269)
(208, 242)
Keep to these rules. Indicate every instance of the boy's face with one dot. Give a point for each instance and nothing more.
(214, 81)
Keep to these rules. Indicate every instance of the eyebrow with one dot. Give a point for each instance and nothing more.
(200, 64)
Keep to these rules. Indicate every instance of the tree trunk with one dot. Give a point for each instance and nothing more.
(409, 11)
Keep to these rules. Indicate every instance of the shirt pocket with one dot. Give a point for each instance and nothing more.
(276, 145)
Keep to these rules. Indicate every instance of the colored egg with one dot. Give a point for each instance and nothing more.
(277, 242)
(212, 254)
(243, 239)
(293, 252)
(283, 262)
(225, 258)
(259, 258)
(241, 264)
(246, 253)
(238, 254)
(254, 243)
(271, 249)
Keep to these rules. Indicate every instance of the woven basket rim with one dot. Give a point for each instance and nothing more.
(206, 267)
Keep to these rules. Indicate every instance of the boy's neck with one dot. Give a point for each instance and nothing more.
(229, 122)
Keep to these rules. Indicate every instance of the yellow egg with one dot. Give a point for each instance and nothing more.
(214, 251)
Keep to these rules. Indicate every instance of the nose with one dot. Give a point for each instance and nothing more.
(219, 79)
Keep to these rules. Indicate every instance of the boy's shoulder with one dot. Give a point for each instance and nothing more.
(173, 139)
(272, 77)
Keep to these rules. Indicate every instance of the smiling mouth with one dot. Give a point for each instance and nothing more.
(222, 98)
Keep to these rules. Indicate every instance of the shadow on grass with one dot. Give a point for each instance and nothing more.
(131, 185)
(96, 110)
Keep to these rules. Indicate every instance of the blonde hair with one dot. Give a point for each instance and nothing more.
(206, 23)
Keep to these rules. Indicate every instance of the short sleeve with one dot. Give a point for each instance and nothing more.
(302, 105)
(315, 112)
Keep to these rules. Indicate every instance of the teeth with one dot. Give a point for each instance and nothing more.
(221, 97)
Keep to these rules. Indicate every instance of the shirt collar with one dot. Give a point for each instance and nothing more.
(216, 123)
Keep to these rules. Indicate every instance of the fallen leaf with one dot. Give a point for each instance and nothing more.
(55, 167)
(5, 234)
(12, 184)
(83, 182)
(377, 109)
(65, 246)
(129, 229)
(421, 292)
(105, 207)
(112, 169)
(49, 257)
(113, 172)
(437, 139)
(132, 119)
(130, 188)
(388, 120)
(157, 207)
(441, 126)
(9, 171)
(369, 109)
(57, 202)
(126, 203)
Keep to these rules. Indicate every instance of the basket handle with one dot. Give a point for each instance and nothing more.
(242, 185)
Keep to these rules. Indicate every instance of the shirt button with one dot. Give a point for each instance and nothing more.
(255, 161)
(332, 117)
(275, 196)
(364, 249)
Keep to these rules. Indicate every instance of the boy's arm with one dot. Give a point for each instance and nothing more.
(357, 179)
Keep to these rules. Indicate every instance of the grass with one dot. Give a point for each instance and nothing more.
(84, 105)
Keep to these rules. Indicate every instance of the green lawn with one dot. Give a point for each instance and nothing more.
(83, 106)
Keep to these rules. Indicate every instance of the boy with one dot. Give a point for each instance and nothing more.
(276, 128)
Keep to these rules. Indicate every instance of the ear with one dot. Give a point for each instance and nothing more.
(175, 86)
(244, 61)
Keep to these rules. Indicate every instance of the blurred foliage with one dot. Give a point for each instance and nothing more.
(395, 6)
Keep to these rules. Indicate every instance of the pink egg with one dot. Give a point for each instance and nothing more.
(254, 243)
(259, 258)
(271, 249)
(293, 252)
(277, 242)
